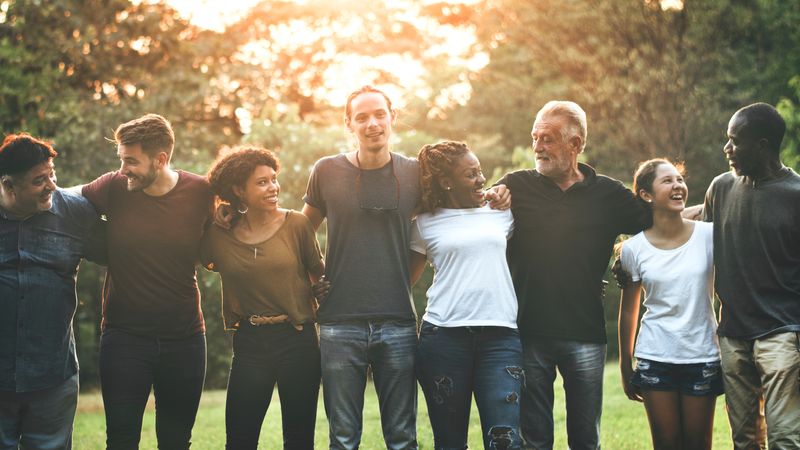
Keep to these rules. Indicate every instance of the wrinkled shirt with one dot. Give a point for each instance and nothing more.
(39, 259)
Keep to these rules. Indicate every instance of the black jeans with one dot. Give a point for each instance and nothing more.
(130, 366)
(263, 356)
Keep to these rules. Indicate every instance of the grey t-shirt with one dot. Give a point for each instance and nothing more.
(369, 221)
(756, 253)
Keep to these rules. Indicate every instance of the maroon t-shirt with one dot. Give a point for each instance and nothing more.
(153, 248)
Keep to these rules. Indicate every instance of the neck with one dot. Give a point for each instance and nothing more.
(368, 159)
(8, 205)
(667, 223)
(255, 219)
(770, 171)
(568, 179)
(165, 181)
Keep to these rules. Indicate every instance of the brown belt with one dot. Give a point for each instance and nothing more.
(257, 321)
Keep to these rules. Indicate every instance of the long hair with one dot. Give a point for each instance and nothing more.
(436, 161)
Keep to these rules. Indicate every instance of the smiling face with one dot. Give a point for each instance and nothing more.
(33, 191)
(140, 169)
(371, 121)
(260, 191)
(556, 155)
(464, 184)
(668, 192)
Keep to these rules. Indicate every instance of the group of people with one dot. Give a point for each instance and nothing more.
(517, 292)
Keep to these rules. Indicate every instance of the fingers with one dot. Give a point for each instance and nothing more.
(223, 216)
(321, 288)
(499, 197)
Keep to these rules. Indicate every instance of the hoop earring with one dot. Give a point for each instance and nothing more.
(242, 211)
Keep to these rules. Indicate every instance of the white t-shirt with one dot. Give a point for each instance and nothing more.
(678, 325)
(471, 283)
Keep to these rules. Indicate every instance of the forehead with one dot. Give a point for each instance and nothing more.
(467, 161)
(368, 102)
(263, 171)
(548, 123)
(42, 169)
(132, 151)
(737, 124)
(666, 170)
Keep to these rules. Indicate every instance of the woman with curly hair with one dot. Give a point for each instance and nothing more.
(267, 261)
(468, 341)
(677, 373)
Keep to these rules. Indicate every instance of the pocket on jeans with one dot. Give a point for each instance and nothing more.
(428, 329)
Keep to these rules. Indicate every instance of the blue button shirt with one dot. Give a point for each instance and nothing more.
(39, 259)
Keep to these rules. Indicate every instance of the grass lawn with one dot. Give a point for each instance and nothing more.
(624, 423)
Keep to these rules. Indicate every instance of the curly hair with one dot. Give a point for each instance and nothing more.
(436, 161)
(234, 167)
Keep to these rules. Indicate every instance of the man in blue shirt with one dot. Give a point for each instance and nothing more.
(44, 232)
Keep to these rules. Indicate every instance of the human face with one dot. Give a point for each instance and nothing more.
(371, 121)
(137, 166)
(260, 191)
(556, 157)
(742, 150)
(669, 190)
(464, 185)
(33, 191)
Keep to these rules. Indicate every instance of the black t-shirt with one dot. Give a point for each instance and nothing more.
(756, 253)
(561, 248)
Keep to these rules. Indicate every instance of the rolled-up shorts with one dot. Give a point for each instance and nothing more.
(700, 379)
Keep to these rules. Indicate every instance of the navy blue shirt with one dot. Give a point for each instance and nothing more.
(39, 259)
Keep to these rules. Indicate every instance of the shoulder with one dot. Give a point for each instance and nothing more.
(632, 245)
(327, 162)
(722, 180)
(298, 221)
(193, 179)
(74, 203)
(611, 184)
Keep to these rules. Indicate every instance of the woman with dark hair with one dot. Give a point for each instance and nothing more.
(677, 372)
(468, 341)
(267, 260)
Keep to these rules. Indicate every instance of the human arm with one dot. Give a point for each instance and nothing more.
(694, 212)
(628, 318)
(417, 266)
(499, 197)
(314, 215)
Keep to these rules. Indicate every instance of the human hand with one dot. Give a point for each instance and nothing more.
(694, 212)
(631, 391)
(321, 288)
(224, 216)
(622, 277)
(499, 197)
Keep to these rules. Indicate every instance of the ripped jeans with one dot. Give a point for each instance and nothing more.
(455, 362)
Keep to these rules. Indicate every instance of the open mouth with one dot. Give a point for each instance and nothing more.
(676, 197)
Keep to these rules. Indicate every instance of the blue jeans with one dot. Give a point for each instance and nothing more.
(132, 365)
(262, 357)
(39, 419)
(452, 364)
(348, 349)
(581, 366)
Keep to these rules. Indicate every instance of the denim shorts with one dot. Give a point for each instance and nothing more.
(701, 379)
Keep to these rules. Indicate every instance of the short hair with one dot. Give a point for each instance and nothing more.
(645, 175)
(234, 167)
(436, 161)
(763, 121)
(348, 107)
(570, 111)
(22, 152)
(151, 131)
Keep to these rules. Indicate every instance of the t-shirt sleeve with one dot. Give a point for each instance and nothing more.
(98, 192)
(632, 216)
(313, 195)
(417, 242)
(207, 258)
(509, 223)
(309, 246)
(629, 264)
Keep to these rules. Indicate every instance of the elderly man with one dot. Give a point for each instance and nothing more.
(756, 214)
(44, 233)
(567, 218)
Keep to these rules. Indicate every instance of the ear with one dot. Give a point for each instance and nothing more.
(575, 142)
(394, 116)
(347, 124)
(238, 191)
(7, 184)
(445, 183)
(161, 159)
(644, 195)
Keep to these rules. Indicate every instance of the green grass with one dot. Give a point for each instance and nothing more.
(624, 424)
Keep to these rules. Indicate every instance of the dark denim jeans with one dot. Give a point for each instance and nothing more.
(452, 364)
(130, 366)
(581, 366)
(348, 350)
(39, 419)
(263, 356)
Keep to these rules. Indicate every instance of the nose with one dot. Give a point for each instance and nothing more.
(537, 146)
(481, 179)
(728, 148)
(372, 121)
(51, 183)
